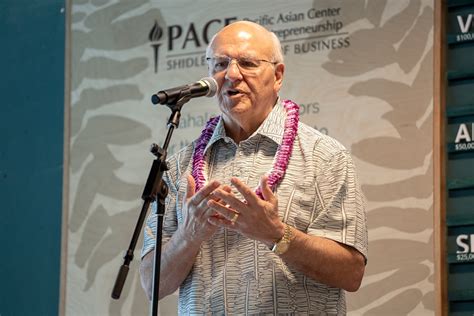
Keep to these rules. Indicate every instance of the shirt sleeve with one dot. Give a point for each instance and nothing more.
(342, 215)
(169, 221)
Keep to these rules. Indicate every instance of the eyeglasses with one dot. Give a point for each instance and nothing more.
(246, 65)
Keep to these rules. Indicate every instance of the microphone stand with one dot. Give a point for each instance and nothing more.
(155, 190)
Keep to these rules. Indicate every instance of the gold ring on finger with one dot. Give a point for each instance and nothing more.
(234, 218)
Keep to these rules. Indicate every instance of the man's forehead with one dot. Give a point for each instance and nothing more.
(241, 42)
(226, 37)
(237, 52)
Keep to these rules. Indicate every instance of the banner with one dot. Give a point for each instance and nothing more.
(362, 73)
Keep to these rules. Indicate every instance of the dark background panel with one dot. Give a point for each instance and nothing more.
(32, 35)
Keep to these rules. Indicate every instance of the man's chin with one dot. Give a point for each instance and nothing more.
(235, 105)
(239, 109)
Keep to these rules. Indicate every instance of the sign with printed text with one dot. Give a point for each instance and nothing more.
(460, 244)
(465, 244)
(466, 27)
(464, 137)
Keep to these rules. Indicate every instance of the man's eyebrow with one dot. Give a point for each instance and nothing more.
(240, 57)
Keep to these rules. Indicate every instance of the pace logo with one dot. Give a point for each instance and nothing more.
(306, 31)
(464, 137)
(184, 44)
(465, 245)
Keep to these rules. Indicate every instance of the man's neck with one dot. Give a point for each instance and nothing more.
(240, 128)
(237, 132)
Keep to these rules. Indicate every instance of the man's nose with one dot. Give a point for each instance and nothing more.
(233, 71)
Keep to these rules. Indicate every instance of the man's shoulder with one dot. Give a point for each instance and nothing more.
(180, 161)
(182, 153)
(323, 146)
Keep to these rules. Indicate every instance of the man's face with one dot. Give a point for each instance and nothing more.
(248, 79)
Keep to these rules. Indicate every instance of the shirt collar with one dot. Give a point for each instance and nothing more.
(272, 127)
(219, 133)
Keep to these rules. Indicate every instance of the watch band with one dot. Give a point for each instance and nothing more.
(281, 246)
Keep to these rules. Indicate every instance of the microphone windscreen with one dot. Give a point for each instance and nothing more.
(212, 84)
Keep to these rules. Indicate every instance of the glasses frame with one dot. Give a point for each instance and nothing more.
(242, 70)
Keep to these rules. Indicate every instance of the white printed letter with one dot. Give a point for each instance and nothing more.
(463, 134)
(464, 245)
(464, 27)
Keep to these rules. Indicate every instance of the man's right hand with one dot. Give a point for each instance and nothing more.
(179, 253)
(196, 227)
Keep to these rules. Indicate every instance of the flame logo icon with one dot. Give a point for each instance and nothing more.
(154, 36)
(155, 33)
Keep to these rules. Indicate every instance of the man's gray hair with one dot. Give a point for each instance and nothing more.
(277, 51)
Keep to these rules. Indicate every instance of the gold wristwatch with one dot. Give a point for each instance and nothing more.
(281, 246)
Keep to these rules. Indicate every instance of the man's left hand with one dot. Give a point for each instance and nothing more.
(253, 217)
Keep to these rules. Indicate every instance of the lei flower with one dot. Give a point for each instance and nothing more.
(283, 153)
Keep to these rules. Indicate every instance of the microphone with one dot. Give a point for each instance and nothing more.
(204, 87)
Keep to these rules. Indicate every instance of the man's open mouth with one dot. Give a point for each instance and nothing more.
(232, 92)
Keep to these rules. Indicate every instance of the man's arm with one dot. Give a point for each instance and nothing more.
(179, 253)
(177, 259)
(326, 261)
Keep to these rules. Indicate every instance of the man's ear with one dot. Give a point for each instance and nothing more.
(279, 72)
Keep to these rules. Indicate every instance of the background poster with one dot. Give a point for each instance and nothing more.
(362, 73)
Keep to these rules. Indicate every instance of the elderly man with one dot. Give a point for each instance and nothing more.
(264, 214)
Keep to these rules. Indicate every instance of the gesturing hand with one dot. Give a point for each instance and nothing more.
(254, 218)
(196, 212)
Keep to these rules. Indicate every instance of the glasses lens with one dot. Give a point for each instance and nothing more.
(219, 63)
(246, 65)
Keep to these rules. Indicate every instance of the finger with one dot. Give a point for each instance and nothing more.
(202, 206)
(223, 210)
(191, 187)
(214, 197)
(222, 222)
(266, 190)
(210, 212)
(205, 191)
(229, 199)
(227, 188)
(246, 192)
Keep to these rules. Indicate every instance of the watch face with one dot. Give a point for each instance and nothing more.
(283, 245)
(281, 248)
